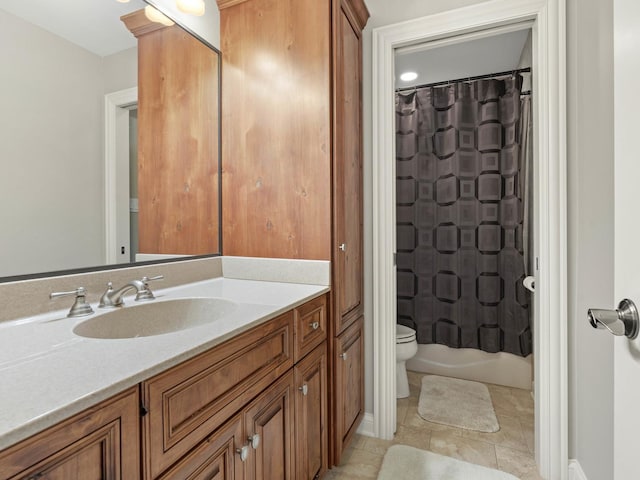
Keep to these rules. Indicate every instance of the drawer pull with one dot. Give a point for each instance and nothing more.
(243, 452)
(315, 325)
(254, 440)
(304, 389)
(343, 355)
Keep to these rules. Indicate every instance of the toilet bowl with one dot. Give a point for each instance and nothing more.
(406, 348)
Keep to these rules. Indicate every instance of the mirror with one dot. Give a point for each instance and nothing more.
(73, 127)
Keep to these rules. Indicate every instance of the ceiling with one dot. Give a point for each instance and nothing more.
(92, 24)
(482, 56)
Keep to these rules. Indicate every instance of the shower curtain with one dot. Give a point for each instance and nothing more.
(461, 166)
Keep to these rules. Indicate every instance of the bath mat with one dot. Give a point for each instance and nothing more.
(458, 403)
(408, 463)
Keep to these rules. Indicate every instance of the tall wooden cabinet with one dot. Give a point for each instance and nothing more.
(292, 160)
(178, 98)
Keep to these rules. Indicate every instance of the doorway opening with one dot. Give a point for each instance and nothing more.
(121, 206)
(545, 18)
(465, 245)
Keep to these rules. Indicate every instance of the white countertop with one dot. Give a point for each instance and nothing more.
(48, 374)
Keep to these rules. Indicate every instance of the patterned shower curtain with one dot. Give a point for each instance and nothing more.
(461, 169)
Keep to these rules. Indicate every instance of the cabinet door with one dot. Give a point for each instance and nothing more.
(217, 458)
(269, 429)
(101, 443)
(312, 440)
(348, 168)
(349, 385)
(193, 399)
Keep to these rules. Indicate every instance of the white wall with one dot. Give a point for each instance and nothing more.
(590, 252)
(120, 70)
(51, 148)
(590, 202)
(50, 187)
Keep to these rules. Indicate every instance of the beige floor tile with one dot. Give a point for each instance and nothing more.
(509, 404)
(497, 389)
(376, 445)
(528, 429)
(517, 463)
(510, 449)
(467, 449)
(510, 434)
(358, 464)
(402, 408)
(414, 437)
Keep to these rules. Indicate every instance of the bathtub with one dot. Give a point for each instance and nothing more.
(470, 364)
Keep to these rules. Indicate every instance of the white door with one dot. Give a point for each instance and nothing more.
(627, 234)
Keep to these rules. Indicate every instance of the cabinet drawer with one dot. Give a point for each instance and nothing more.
(188, 402)
(310, 326)
(101, 442)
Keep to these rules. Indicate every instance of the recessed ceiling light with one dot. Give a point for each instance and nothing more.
(408, 76)
(123, 1)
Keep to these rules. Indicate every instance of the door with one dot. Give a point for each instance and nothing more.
(269, 430)
(349, 384)
(626, 380)
(311, 415)
(347, 169)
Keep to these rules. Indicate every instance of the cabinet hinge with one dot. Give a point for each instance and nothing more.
(143, 410)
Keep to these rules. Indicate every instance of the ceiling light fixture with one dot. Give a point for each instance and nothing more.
(155, 16)
(408, 76)
(122, 1)
(194, 7)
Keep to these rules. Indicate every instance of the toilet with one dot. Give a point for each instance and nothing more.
(406, 348)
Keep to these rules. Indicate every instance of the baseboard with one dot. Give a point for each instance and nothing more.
(575, 471)
(366, 425)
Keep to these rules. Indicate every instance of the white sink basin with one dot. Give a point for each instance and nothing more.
(155, 318)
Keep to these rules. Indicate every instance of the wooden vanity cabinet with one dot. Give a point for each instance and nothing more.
(250, 379)
(187, 403)
(102, 442)
(241, 410)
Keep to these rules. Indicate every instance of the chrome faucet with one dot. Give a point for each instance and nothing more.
(113, 298)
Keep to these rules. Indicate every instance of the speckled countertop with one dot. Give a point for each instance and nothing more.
(47, 373)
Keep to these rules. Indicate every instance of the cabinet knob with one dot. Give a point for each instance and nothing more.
(343, 355)
(254, 440)
(243, 452)
(304, 389)
(343, 247)
(315, 325)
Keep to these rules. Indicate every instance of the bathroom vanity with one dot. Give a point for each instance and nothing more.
(244, 396)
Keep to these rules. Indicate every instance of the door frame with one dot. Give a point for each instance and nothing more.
(113, 103)
(547, 19)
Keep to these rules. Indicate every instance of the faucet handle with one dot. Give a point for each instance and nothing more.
(80, 307)
(146, 293)
(105, 299)
(146, 280)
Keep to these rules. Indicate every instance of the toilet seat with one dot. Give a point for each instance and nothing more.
(405, 334)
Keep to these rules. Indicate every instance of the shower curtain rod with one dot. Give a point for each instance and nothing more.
(468, 79)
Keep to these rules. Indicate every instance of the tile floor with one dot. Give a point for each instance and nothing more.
(510, 449)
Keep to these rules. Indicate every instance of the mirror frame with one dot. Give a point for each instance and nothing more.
(119, 266)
